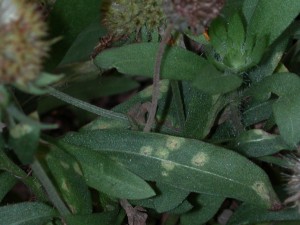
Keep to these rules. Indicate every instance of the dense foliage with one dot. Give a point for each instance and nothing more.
(227, 126)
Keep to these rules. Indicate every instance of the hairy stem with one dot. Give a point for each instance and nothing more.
(49, 187)
(156, 79)
(86, 106)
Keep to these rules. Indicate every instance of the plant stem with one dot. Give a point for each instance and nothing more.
(178, 103)
(156, 78)
(86, 106)
(49, 187)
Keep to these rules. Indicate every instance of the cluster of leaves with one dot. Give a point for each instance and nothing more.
(222, 119)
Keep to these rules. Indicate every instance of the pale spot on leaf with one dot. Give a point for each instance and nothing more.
(164, 173)
(146, 150)
(64, 164)
(77, 169)
(162, 153)
(146, 93)
(20, 130)
(168, 165)
(174, 143)
(164, 87)
(200, 159)
(261, 190)
(64, 185)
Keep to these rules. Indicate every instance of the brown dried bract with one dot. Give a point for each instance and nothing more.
(104, 42)
(192, 14)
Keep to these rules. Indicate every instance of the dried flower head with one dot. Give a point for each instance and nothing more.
(293, 185)
(22, 44)
(123, 17)
(192, 14)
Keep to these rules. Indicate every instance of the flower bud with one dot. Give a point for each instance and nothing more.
(22, 44)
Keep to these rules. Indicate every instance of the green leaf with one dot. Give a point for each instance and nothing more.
(257, 112)
(286, 108)
(138, 59)
(224, 132)
(108, 203)
(201, 112)
(7, 165)
(82, 48)
(214, 82)
(24, 139)
(183, 163)
(133, 107)
(236, 31)
(257, 143)
(262, 24)
(206, 206)
(275, 160)
(232, 49)
(271, 58)
(26, 213)
(167, 198)
(45, 79)
(231, 7)
(68, 176)
(281, 84)
(106, 175)
(184, 207)
(67, 19)
(247, 214)
(107, 218)
(248, 8)
(7, 181)
(170, 199)
(218, 35)
(286, 112)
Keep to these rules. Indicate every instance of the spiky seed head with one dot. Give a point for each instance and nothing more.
(123, 17)
(293, 185)
(22, 44)
(195, 15)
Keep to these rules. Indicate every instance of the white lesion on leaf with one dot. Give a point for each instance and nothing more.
(146, 150)
(164, 173)
(20, 130)
(77, 168)
(200, 159)
(64, 164)
(162, 153)
(174, 143)
(168, 165)
(64, 185)
(260, 188)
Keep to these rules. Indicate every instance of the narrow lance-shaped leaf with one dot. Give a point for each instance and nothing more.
(263, 23)
(26, 213)
(167, 198)
(206, 206)
(286, 108)
(68, 176)
(106, 218)
(7, 181)
(106, 175)
(183, 163)
(138, 59)
(257, 143)
(177, 64)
